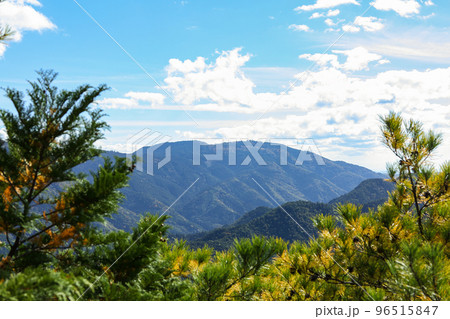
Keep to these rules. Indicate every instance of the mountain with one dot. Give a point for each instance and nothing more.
(275, 222)
(224, 192)
(370, 193)
(251, 215)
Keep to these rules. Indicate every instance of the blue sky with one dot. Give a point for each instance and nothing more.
(320, 69)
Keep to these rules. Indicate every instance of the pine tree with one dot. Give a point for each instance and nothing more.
(52, 246)
(45, 208)
(398, 252)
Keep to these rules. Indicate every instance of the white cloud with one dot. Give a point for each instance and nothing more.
(322, 59)
(2, 49)
(428, 16)
(134, 100)
(299, 27)
(428, 3)
(369, 24)
(336, 91)
(419, 44)
(222, 81)
(330, 13)
(222, 86)
(21, 16)
(331, 104)
(316, 15)
(404, 8)
(329, 22)
(325, 4)
(333, 13)
(357, 59)
(214, 87)
(350, 28)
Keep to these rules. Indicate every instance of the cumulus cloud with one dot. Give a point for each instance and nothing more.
(325, 4)
(332, 89)
(330, 13)
(329, 22)
(357, 59)
(404, 8)
(21, 16)
(299, 27)
(221, 82)
(369, 24)
(322, 59)
(333, 13)
(334, 104)
(219, 86)
(222, 86)
(351, 28)
(331, 104)
(316, 15)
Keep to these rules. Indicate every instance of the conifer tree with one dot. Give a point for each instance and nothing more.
(398, 252)
(52, 247)
(45, 208)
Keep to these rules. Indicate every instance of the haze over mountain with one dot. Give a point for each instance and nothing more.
(224, 192)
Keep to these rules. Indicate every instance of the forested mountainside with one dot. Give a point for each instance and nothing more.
(370, 190)
(223, 192)
(276, 222)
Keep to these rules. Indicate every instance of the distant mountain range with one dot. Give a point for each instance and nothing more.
(224, 192)
(276, 222)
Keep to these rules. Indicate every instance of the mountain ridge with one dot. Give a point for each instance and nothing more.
(224, 192)
(277, 222)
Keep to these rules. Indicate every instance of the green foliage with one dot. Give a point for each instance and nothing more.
(224, 193)
(264, 221)
(270, 223)
(370, 193)
(42, 284)
(413, 147)
(46, 139)
(53, 251)
(215, 278)
(397, 252)
(235, 274)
